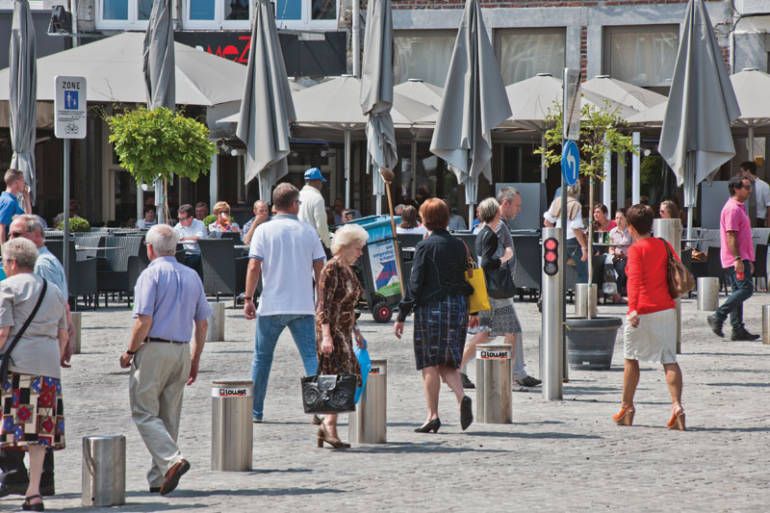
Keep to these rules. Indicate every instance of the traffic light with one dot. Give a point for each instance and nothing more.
(550, 256)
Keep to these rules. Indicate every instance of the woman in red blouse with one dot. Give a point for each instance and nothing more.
(650, 330)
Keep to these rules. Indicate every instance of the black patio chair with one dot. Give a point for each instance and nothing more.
(81, 279)
(112, 276)
(760, 265)
(223, 272)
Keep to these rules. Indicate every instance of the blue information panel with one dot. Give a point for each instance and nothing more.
(570, 162)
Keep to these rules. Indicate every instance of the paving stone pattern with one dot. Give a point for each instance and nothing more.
(556, 456)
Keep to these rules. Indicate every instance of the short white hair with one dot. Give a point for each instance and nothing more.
(163, 239)
(488, 209)
(22, 251)
(348, 234)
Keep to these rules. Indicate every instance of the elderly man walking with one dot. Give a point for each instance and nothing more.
(737, 254)
(15, 478)
(312, 209)
(288, 254)
(168, 301)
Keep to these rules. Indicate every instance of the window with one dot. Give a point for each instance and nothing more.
(217, 14)
(523, 53)
(641, 55)
(422, 54)
(121, 14)
(306, 14)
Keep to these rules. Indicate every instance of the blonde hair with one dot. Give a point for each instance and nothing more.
(221, 206)
(488, 209)
(348, 234)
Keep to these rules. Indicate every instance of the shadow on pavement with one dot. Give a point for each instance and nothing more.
(270, 492)
(758, 429)
(739, 384)
(130, 507)
(579, 390)
(423, 448)
(534, 436)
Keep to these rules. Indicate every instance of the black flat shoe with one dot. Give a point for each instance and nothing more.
(467, 383)
(433, 425)
(466, 413)
(27, 506)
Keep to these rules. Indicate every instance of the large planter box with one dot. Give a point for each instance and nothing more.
(591, 342)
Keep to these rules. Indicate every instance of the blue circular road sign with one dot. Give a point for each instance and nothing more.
(570, 162)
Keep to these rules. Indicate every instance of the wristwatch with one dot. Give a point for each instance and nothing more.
(738, 258)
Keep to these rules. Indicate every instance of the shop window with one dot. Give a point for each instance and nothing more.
(422, 54)
(123, 14)
(642, 55)
(306, 14)
(523, 53)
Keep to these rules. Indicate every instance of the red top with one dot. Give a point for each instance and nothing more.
(647, 273)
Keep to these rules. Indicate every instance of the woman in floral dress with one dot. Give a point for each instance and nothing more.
(335, 322)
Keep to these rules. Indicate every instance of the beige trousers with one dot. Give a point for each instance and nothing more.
(156, 384)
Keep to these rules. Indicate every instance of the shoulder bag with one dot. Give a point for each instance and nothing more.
(334, 393)
(479, 300)
(499, 281)
(680, 280)
(5, 358)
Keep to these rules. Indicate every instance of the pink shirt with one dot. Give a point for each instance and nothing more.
(734, 219)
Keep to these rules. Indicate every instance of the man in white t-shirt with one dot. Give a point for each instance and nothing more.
(289, 255)
(761, 194)
(312, 209)
(189, 231)
(577, 242)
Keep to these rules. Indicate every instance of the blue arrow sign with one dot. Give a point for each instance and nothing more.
(570, 162)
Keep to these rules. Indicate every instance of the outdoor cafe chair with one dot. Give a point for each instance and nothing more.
(223, 272)
(112, 275)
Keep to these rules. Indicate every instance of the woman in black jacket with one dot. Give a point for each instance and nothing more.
(438, 293)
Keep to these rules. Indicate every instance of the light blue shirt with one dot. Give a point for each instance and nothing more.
(48, 266)
(172, 294)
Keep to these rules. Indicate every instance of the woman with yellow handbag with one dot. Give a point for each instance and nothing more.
(438, 293)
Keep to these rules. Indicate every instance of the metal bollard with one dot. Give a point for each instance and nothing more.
(671, 231)
(493, 384)
(231, 429)
(76, 323)
(708, 294)
(766, 324)
(581, 300)
(552, 340)
(368, 424)
(104, 471)
(216, 329)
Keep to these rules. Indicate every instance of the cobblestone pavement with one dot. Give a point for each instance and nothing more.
(556, 456)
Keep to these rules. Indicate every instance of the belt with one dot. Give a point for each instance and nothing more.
(153, 339)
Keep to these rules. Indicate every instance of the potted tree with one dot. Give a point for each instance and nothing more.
(160, 143)
(590, 341)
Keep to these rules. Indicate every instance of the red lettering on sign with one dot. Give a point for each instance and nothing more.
(244, 58)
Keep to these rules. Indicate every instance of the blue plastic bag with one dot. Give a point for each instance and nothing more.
(365, 363)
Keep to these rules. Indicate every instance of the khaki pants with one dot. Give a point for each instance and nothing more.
(156, 384)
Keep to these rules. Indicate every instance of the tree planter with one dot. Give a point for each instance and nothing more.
(590, 342)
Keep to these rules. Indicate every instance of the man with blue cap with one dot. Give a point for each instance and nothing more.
(312, 209)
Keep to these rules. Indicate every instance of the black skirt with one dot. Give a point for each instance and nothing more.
(439, 332)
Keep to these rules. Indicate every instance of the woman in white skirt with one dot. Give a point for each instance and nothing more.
(650, 330)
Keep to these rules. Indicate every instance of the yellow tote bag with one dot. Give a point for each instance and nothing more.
(479, 300)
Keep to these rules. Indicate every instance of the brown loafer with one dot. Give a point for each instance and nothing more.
(173, 475)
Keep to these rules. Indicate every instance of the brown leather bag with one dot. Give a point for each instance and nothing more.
(680, 279)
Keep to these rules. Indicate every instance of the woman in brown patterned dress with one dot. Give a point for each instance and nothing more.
(335, 320)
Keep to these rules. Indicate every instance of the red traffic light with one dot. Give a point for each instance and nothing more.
(550, 256)
(551, 244)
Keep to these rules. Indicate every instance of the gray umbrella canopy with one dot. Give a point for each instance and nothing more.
(23, 89)
(377, 89)
(159, 66)
(474, 103)
(696, 139)
(267, 108)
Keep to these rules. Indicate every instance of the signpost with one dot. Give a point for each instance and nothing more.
(70, 118)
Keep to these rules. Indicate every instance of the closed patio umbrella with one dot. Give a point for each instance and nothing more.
(696, 138)
(474, 103)
(377, 91)
(267, 108)
(159, 69)
(23, 89)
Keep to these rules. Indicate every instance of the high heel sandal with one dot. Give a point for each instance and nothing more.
(28, 506)
(677, 420)
(625, 417)
(336, 443)
(432, 425)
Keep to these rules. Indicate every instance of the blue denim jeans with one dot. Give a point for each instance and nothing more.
(575, 253)
(269, 328)
(742, 290)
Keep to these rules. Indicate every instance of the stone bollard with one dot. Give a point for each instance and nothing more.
(216, 330)
(76, 338)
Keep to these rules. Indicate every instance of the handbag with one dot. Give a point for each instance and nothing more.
(5, 358)
(479, 300)
(499, 281)
(335, 393)
(680, 279)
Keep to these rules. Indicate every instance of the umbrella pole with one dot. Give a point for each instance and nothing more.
(689, 221)
(470, 215)
(347, 168)
(387, 177)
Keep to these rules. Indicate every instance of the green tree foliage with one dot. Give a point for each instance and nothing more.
(160, 143)
(77, 224)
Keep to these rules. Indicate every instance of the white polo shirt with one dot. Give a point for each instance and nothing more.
(196, 229)
(287, 249)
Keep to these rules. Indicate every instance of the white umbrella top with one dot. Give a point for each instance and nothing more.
(622, 93)
(113, 70)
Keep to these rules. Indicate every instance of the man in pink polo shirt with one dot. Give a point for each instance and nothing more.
(737, 254)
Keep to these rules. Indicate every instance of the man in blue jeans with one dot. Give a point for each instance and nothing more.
(288, 254)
